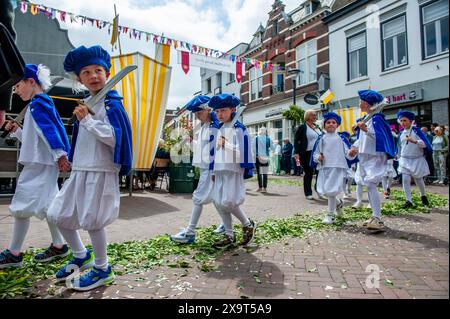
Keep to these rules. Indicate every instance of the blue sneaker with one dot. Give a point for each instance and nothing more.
(93, 279)
(81, 263)
(183, 237)
(7, 259)
(220, 230)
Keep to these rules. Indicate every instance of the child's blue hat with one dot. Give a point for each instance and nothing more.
(198, 103)
(30, 72)
(370, 96)
(408, 114)
(224, 100)
(332, 115)
(80, 57)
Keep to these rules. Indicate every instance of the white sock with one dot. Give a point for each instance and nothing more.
(98, 239)
(389, 181)
(349, 186)
(226, 220)
(21, 226)
(57, 238)
(331, 205)
(73, 239)
(406, 179)
(374, 199)
(240, 215)
(359, 193)
(195, 216)
(421, 184)
(384, 182)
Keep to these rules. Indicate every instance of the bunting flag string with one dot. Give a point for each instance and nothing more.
(61, 15)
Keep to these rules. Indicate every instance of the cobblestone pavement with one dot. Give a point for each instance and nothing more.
(412, 256)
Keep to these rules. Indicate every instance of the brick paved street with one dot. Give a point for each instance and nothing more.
(412, 255)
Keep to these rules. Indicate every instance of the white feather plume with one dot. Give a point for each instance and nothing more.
(43, 75)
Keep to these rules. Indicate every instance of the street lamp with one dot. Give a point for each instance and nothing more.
(294, 82)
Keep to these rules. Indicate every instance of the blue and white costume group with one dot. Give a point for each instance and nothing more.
(334, 168)
(44, 142)
(412, 161)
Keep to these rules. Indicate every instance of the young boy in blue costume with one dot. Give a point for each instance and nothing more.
(332, 155)
(101, 151)
(203, 158)
(375, 145)
(413, 146)
(348, 179)
(44, 151)
(232, 164)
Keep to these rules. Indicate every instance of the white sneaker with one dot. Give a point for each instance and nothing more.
(369, 206)
(310, 197)
(339, 206)
(219, 230)
(320, 196)
(329, 219)
(357, 205)
(347, 196)
(376, 224)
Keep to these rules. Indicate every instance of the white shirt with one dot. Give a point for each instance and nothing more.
(202, 146)
(408, 149)
(94, 150)
(277, 150)
(35, 147)
(229, 157)
(334, 150)
(438, 143)
(366, 142)
(312, 135)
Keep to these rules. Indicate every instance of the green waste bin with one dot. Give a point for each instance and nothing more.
(181, 178)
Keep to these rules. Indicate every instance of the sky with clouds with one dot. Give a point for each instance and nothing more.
(215, 24)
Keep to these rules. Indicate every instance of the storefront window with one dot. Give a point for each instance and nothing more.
(278, 130)
(422, 111)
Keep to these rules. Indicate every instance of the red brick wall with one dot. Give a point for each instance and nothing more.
(313, 29)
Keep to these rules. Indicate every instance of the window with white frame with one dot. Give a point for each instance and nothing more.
(357, 56)
(219, 81)
(208, 85)
(306, 54)
(395, 51)
(435, 28)
(231, 78)
(256, 83)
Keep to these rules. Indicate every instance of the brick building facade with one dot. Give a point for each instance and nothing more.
(297, 40)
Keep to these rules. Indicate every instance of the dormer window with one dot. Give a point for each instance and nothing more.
(308, 8)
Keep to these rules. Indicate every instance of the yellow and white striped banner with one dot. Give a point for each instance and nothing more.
(349, 117)
(145, 94)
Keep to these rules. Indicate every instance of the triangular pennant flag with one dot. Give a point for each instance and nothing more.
(238, 72)
(34, 9)
(185, 61)
(24, 7)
